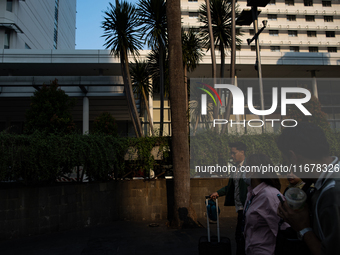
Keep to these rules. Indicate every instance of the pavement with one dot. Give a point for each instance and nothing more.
(121, 238)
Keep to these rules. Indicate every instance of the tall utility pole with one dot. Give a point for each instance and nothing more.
(246, 18)
(211, 37)
(258, 61)
(232, 59)
(212, 49)
(233, 42)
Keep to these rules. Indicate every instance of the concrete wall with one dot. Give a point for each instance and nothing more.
(26, 211)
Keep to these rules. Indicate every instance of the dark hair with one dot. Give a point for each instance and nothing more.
(263, 160)
(239, 146)
(306, 139)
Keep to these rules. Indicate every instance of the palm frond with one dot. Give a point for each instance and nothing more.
(152, 19)
(221, 23)
(121, 29)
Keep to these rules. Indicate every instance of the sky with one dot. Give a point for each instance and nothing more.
(89, 17)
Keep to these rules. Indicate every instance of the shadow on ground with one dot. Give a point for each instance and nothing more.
(120, 237)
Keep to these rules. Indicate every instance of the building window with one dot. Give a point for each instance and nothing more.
(326, 3)
(9, 5)
(311, 33)
(310, 18)
(330, 34)
(291, 17)
(275, 48)
(252, 48)
(332, 49)
(294, 49)
(272, 2)
(272, 17)
(193, 14)
(251, 32)
(192, 0)
(313, 49)
(27, 47)
(7, 39)
(274, 32)
(289, 2)
(308, 2)
(328, 18)
(292, 33)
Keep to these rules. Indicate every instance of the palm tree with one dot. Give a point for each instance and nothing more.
(183, 210)
(153, 63)
(192, 54)
(152, 18)
(120, 32)
(221, 22)
(140, 78)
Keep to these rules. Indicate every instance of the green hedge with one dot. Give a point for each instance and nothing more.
(210, 148)
(41, 157)
(44, 157)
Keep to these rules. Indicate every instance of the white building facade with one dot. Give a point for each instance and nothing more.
(37, 24)
(293, 25)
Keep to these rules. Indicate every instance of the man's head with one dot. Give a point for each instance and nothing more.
(238, 150)
(293, 179)
(305, 141)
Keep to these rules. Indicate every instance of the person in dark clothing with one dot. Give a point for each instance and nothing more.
(306, 145)
(236, 193)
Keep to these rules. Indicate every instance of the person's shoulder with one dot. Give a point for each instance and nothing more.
(330, 193)
(269, 193)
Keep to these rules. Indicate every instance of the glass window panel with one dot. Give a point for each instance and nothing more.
(289, 2)
(9, 5)
(294, 49)
(332, 49)
(326, 3)
(310, 18)
(291, 17)
(328, 18)
(330, 34)
(313, 49)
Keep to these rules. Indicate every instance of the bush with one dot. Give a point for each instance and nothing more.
(42, 157)
(209, 148)
(105, 123)
(50, 111)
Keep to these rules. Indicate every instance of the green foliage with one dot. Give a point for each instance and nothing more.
(221, 23)
(42, 157)
(191, 49)
(318, 117)
(213, 148)
(105, 123)
(140, 151)
(50, 111)
(120, 29)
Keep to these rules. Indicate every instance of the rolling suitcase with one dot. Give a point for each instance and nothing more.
(213, 244)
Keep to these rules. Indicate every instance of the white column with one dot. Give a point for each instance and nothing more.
(151, 103)
(86, 115)
(314, 85)
(237, 117)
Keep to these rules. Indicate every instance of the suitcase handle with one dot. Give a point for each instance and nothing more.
(218, 221)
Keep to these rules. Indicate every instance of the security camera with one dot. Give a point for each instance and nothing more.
(265, 22)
